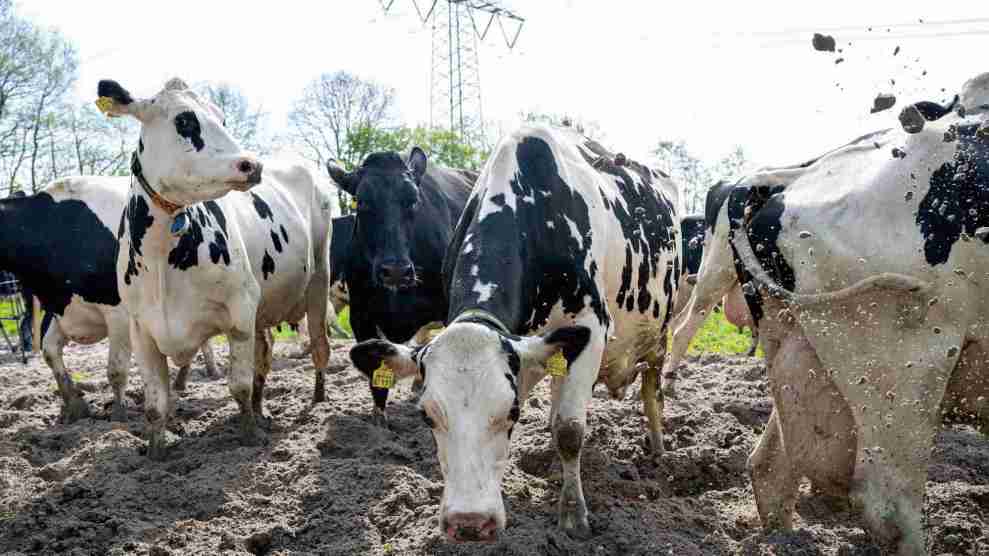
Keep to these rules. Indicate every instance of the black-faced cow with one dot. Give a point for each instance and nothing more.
(60, 242)
(210, 244)
(406, 212)
(867, 269)
(560, 238)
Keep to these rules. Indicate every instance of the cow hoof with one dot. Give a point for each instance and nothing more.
(250, 433)
(656, 445)
(263, 422)
(319, 395)
(379, 419)
(667, 391)
(157, 449)
(75, 409)
(119, 413)
(180, 384)
(576, 525)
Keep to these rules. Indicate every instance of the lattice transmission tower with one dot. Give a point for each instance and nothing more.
(458, 27)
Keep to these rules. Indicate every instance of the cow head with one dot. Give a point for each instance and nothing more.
(185, 153)
(475, 380)
(387, 193)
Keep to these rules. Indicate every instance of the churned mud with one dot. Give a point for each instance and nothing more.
(330, 482)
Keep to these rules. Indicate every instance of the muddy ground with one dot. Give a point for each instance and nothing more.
(330, 482)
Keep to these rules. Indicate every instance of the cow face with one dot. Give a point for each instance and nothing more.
(475, 378)
(184, 151)
(387, 193)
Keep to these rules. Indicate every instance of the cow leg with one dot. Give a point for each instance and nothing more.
(894, 396)
(755, 341)
(263, 341)
(118, 363)
(209, 361)
(319, 345)
(73, 406)
(710, 289)
(240, 376)
(182, 378)
(568, 431)
(773, 480)
(652, 400)
(157, 394)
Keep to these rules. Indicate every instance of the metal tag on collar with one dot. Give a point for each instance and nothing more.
(180, 223)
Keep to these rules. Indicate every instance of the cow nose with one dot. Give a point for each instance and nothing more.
(396, 274)
(471, 527)
(251, 169)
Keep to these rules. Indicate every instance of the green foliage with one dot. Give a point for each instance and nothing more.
(7, 310)
(343, 319)
(719, 336)
(443, 146)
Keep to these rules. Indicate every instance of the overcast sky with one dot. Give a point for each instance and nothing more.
(713, 73)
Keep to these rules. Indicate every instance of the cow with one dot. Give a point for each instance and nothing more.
(406, 210)
(692, 247)
(343, 230)
(870, 334)
(213, 242)
(565, 261)
(60, 243)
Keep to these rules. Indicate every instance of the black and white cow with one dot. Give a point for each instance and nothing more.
(560, 238)
(60, 243)
(692, 248)
(406, 212)
(867, 271)
(211, 244)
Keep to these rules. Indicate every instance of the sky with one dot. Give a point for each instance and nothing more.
(713, 73)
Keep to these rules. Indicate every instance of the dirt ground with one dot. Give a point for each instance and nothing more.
(330, 482)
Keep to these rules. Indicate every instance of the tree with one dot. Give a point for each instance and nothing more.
(693, 175)
(247, 123)
(442, 145)
(335, 108)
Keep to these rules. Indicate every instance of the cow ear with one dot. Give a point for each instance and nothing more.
(368, 356)
(571, 340)
(114, 101)
(346, 180)
(417, 163)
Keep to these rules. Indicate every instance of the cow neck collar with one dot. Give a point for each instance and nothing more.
(164, 204)
(484, 317)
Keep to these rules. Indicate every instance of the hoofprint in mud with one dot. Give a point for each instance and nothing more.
(332, 482)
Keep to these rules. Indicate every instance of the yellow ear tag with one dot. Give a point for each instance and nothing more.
(353, 203)
(556, 365)
(104, 104)
(383, 377)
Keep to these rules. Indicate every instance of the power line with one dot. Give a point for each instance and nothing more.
(458, 26)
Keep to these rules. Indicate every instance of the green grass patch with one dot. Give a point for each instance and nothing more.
(719, 336)
(7, 310)
(343, 319)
